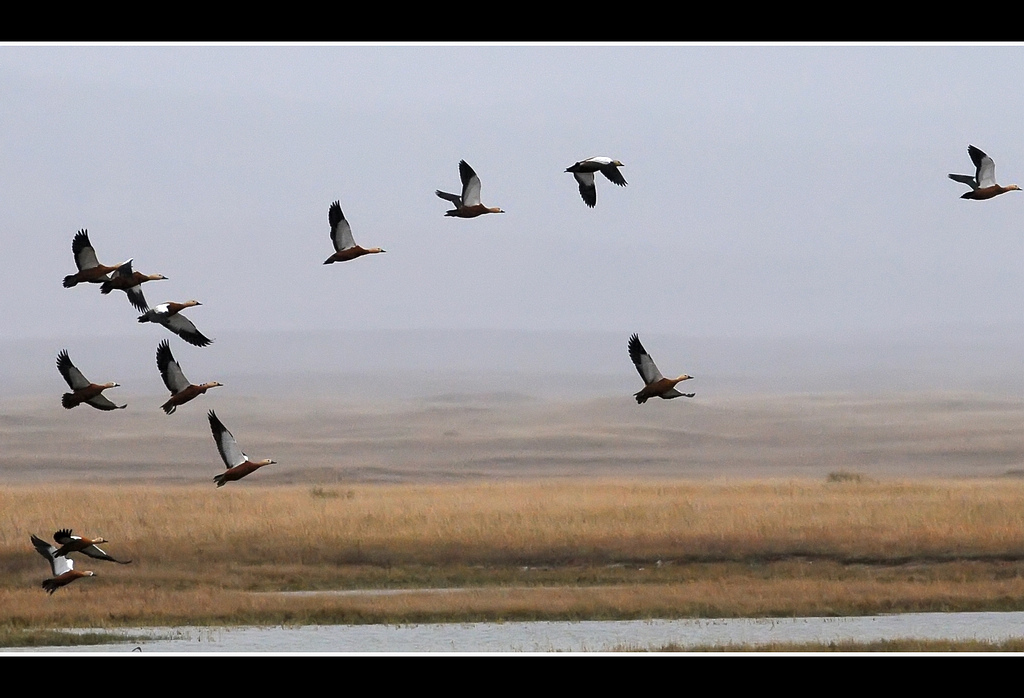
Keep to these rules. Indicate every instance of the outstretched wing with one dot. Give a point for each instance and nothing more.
(102, 403)
(341, 231)
(85, 255)
(965, 179)
(587, 189)
(612, 173)
(470, 185)
(170, 371)
(183, 327)
(72, 375)
(986, 172)
(454, 198)
(230, 453)
(136, 298)
(643, 361)
(58, 564)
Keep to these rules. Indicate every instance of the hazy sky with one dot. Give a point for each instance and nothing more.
(773, 190)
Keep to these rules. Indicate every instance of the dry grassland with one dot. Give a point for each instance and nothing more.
(517, 550)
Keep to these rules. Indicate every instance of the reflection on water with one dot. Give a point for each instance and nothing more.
(583, 636)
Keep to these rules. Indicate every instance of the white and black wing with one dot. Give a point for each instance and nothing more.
(230, 453)
(612, 173)
(184, 328)
(58, 564)
(72, 375)
(341, 231)
(986, 167)
(85, 255)
(643, 361)
(587, 189)
(170, 371)
(470, 185)
(102, 403)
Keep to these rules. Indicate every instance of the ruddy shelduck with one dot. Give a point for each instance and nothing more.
(584, 171)
(238, 464)
(168, 315)
(63, 568)
(655, 384)
(181, 389)
(80, 544)
(345, 248)
(983, 183)
(468, 205)
(89, 268)
(130, 282)
(82, 389)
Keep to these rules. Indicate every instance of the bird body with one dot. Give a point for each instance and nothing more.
(238, 464)
(983, 183)
(181, 389)
(655, 384)
(468, 204)
(168, 315)
(584, 171)
(124, 279)
(345, 247)
(79, 544)
(82, 389)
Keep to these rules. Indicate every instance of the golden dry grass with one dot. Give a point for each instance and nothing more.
(552, 549)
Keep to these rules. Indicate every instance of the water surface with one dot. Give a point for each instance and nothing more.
(562, 636)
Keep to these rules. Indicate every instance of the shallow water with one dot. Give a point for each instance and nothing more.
(561, 636)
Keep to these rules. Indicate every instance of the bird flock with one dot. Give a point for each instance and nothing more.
(467, 204)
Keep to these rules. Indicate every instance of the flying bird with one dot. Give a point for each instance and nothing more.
(82, 389)
(345, 248)
(79, 544)
(237, 463)
(655, 384)
(584, 171)
(181, 389)
(63, 568)
(468, 205)
(983, 183)
(130, 282)
(89, 268)
(169, 315)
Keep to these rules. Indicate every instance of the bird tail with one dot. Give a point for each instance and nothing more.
(144, 318)
(50, 585)
(68, 400)
(70, 281)
(639, 399)
(169, 409)
(219, 479)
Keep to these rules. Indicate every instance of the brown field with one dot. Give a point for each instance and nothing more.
(530, 509)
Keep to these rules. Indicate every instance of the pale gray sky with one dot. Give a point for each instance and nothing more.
(773, 190)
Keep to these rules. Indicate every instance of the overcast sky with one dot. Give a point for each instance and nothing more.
(773, 190)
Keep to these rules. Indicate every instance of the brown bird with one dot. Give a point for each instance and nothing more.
(181, 390)
(79, 544)
(84, 391)
(655, 384)
(584, 171)
(345, 248)
(167, 314)
(468, 205)
(983, 183)
(237, 463)
(89, 268)
(63, 568)
(130, 282)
